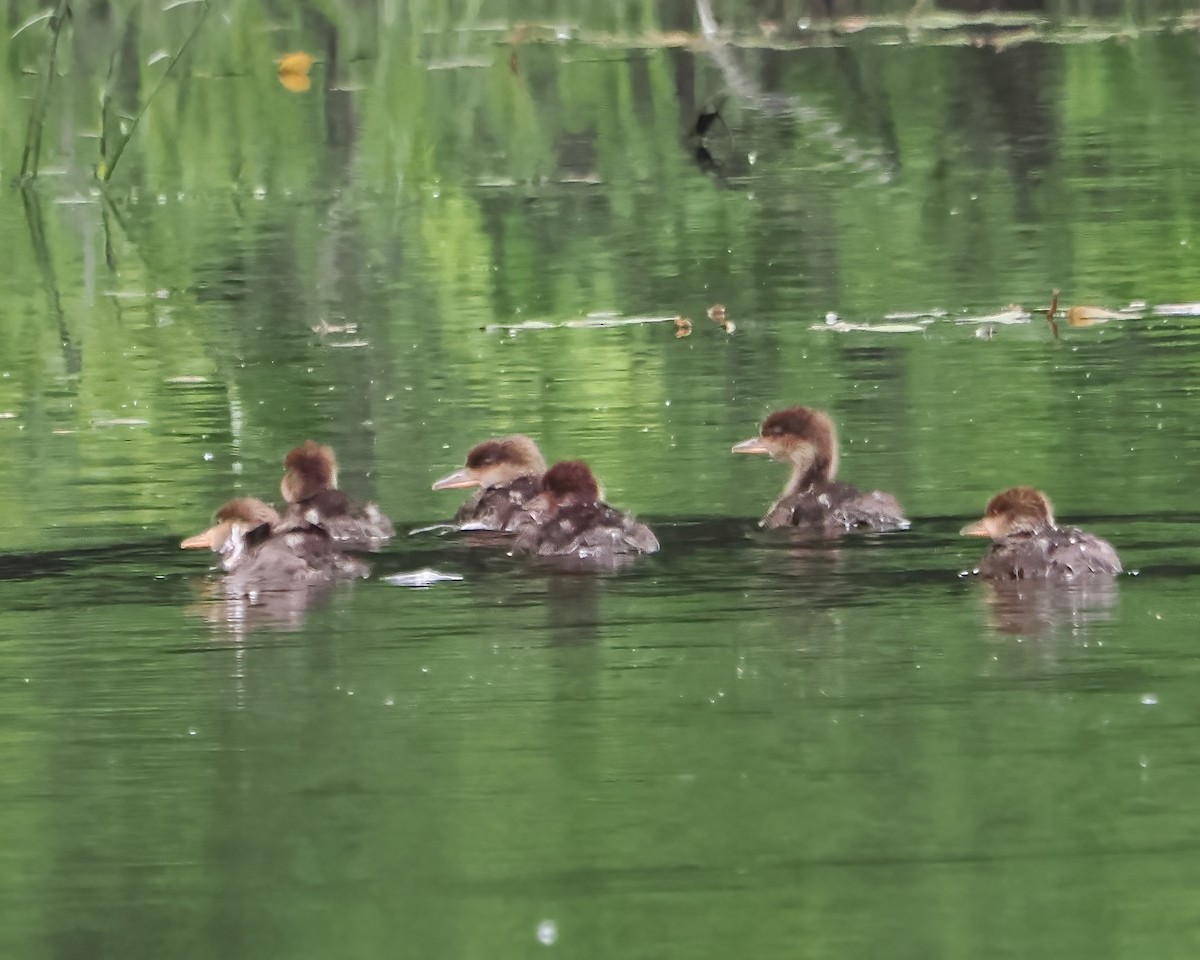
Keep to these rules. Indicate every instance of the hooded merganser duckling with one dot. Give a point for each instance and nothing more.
(508, 471)
(1027, 544)
(568, 518)
(259, 557)
(813, 498)
(309, 487)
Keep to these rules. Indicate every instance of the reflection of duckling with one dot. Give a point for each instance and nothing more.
(257, 557)
(568, 518)
(508, 471)
(309, 486)
(812, 498)
(1027, 544)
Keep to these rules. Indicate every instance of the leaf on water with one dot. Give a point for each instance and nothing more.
(423, 578)
(683, 328)
(908, 315)
(842, 326)
(1089, 316)
(613, 320)
(519, 327)
(325, 327)
(591, 321)
(1013, 313)
(1177, 310)
(293, 71)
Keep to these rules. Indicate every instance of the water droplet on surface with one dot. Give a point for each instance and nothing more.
(547, 932)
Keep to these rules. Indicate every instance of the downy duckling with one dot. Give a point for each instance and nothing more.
(807, 440)
(568, 518)
(1027, 544)
(508, 472)
(309, 487)
(258, 557)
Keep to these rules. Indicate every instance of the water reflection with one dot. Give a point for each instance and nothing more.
(1042, 608)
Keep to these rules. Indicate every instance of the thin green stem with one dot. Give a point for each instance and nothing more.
(106, 168)
(37, 116)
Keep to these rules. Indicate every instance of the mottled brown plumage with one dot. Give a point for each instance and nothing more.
(1027, 544)
(259, 557)
(568, 519)
(309, 487)
(813, 498)
(508, 471)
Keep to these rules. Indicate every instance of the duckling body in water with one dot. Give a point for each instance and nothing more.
(1027, 544)
(258, 556)
(309, 487)
(568, 518)
(508, 471)
(812, 498)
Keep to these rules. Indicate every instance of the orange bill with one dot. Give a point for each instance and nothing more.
(201, 541)
(980, 528)
(459, 478)
(753, 445)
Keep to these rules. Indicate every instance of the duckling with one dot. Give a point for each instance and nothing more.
(1027, 544)
(508, 472)
(258, 557)
(568, 518)
(309, 487)
(812, 498)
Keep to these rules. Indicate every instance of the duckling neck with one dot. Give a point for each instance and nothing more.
(805, 476)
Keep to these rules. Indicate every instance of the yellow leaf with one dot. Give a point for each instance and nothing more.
(295, 82)
(298, 62)
(293, 71)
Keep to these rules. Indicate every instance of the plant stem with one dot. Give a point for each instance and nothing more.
(105, 170)
(37, 116)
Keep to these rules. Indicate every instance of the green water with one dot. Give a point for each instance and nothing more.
(745, 745)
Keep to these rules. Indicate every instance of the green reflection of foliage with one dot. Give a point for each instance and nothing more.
(448, 170)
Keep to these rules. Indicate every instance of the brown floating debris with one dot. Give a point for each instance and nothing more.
(1088, 316)
(716, 313)
(683, 327)
(1050, 311)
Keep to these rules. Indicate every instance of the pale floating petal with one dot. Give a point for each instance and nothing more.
(843, 326)
(1011, 315)
(425, 577)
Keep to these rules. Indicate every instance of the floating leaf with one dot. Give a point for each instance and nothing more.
(841, 326)
(1013, 313)
(293, 71)
(1088, 316)
(421, 579)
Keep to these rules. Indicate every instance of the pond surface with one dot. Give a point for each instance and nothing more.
(748, 744)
